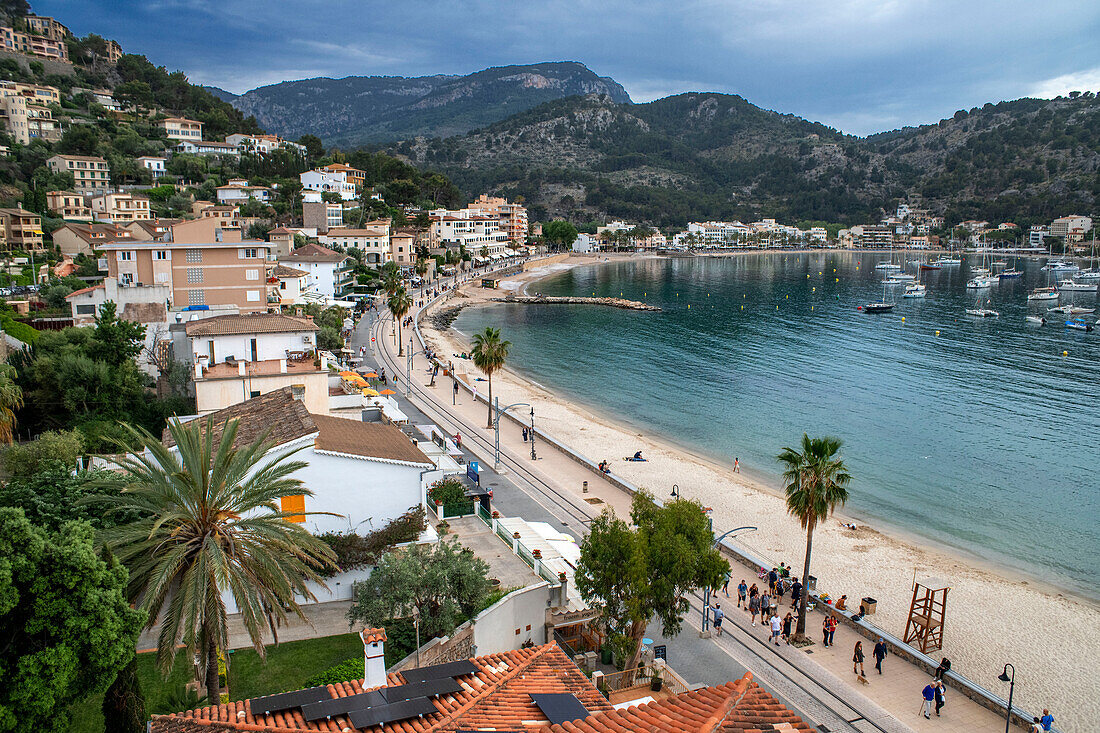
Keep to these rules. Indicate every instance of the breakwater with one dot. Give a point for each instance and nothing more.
(621, 303)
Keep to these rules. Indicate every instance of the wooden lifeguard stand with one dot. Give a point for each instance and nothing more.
(924, 629)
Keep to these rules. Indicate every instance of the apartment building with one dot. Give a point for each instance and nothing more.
(238, 357)
(22, 229)
(227, 216)
(372, 239)
(872, 235)
(147, 305)
(480, 235)
(114, 52)
(353, 175)
(208, 273)
(152, 230)
(181, 128)
(1036, 235)
(25, 114)
(154, 164)
(30, 44)
(281, 240)
(120, 208)
(238, 191)
(262, 144)
(403, 246)
(330, 273)
(33, 93)
(69, 205)
(90, 174)
(86, 238)
(512, 218)
(326, 181)
(320, 215)
(1071, 228)
(292, 285)
(47, 27)
(103, 97)
(206, 147)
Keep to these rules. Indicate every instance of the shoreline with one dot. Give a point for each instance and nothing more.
(993, 607)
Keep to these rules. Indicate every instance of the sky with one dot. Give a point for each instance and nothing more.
(862, 66)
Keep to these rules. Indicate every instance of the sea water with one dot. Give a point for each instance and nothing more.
(975, 433)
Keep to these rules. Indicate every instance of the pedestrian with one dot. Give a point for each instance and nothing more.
(944, 668)
(765, 606)
(1047, 720)
(928, 695)
(879, 653)
(525, 435)
(779, 591)
(742, 592)
(777, 628)
(736, 465)
(754, 606)
(796, 592)
(1036, 727)
(787, 621)
(941, 697)
(773, 575)
(825, 631)
(726, 584)
(718, 616)
(857, 659)
(832, 629)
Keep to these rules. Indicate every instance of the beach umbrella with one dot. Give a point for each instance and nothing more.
(387, 391)
(347, 373)
(370, 392)
(371, 375)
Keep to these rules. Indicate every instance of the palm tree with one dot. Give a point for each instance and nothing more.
(816, 482)
(399, 304)
(211, 522)
(391, 277)
(489, 354)
(11, 399)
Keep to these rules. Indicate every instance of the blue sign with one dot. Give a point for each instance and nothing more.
(472, 472)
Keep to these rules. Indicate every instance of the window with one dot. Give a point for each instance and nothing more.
(194, 255)
(282, 285)
(162, 277)
(194, 275)
(125, 256)
(196, 297)
(160, 254)
(85, 310)
(126, 278)
(298, 391)
(248, 253)
(252, 296)
(294, 505)
(251, 274)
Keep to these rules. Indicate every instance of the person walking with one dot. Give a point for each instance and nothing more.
(754, 605)
(832, 629)
(765, 607)
(879, 653)
(787, 621)
(928, 694)
(736, 465)
(726, 584)
(796, 593)
(1036, 726)
(857, 659)
(525, 435)
(742, 593)
(718, 616)
(777, 628)
(1047, 720)
(941, 696)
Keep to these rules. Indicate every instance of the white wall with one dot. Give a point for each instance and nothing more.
(495, 627)
(268, 345)
(321, 275)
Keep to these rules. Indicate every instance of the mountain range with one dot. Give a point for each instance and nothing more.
(359, 110)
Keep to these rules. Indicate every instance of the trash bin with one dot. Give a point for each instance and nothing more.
(868, 605)
(812, 583)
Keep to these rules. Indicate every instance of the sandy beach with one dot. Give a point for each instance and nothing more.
(994, 616)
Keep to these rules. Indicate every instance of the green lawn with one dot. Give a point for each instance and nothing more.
(286, 668)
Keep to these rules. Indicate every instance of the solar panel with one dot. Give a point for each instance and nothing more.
(341, 705)
(287, 700)
(428, 688)
(438, 671)
(383, 714)
(560, 707)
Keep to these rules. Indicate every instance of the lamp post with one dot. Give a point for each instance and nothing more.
(454, 385)
(408, 367)
(496, 428)
(706, 591)
(533, 456)
(1004, 677)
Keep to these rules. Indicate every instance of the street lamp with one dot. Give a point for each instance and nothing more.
(533, 456)
(496, 428)
(408, 367)
(675, 491)
(706, 591)
(1004, 677)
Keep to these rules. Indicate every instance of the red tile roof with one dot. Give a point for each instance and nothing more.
(498, 697)
(372, 635)
(314, 252)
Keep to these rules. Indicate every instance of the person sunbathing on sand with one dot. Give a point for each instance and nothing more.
(848, 525)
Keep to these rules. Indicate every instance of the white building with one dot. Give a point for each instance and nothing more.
(154, 164)
(330, 273)
(1071, 228)
(1037, 234)
(585, 243)
(237, 191)
(328, 181)
(206, 147)
(480, 235)
(373, 239)
(293, 285)
(262, 144)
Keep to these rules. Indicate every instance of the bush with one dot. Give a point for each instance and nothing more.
(350, 669)
(356, 551)
(449, 491)
(18, 330)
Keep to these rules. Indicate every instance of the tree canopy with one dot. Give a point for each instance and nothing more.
(66, 628)
(634, 574)
(559, 233)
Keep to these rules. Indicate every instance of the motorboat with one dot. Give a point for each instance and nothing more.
(982, 313)
(1043, 294)
(915, 290)
(1071, 310)
(929, 266)
(978, 271)
(1060, 266)
(980, 283)
(1088, 275)
(900, 277)
(1078, 324)
(943, 261)
(1072, 286)
(1008, 274)
(887, 266)
(1036, 320)
(1000, 263)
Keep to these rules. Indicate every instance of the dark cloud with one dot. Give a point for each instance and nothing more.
(859, 65)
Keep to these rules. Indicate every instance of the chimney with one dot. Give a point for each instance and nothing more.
(374, 658)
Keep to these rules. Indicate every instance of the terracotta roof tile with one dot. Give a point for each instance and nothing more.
(247, 324)
(277, 413)
(314, 252)
(367, 440)
(372, 635)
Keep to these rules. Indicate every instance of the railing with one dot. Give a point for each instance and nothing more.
(483, 514)
(565, 645)
(639, 677)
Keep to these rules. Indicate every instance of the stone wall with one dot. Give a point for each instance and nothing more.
(52, 67)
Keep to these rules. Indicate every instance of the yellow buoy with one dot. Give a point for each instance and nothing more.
(819, 272)
(689, 306)
(787, 297)
(903, 319)
(1065, 353)
(937, 333)
(813, 290)
(838, 279)
(777, 307)
(811, 307)
(742, 307)
(834, 269)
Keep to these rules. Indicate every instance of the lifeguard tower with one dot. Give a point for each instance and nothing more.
(924, 629)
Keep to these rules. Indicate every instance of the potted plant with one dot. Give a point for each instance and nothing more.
(656, 683)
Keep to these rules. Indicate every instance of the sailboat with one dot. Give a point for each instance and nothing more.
(1092, 274)
(881, 306)
(1047, 293)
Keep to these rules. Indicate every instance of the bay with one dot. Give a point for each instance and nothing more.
(975, 433)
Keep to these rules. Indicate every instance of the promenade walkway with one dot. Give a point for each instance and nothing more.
(817, 681)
